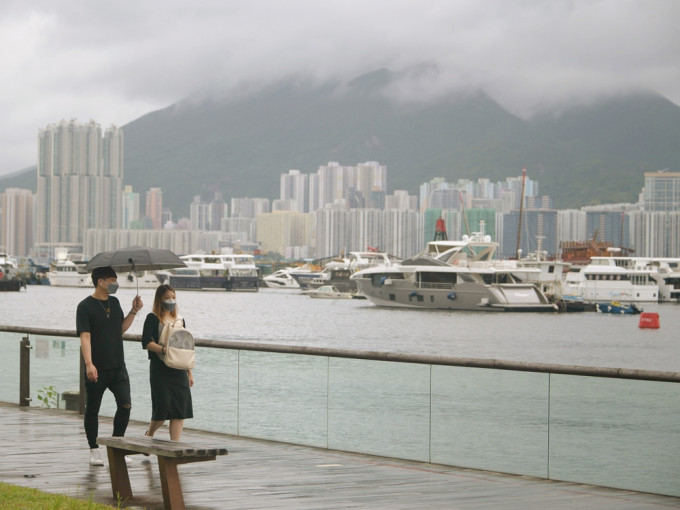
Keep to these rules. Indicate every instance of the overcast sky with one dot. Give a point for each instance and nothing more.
(115, 61)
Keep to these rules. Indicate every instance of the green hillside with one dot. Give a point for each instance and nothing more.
(240, 146)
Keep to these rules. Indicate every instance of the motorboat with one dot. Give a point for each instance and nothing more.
(69, 271)
(327, 292)
(231, 272)
(338, 271)
(284, 278)
(618, 308)
(454, 275)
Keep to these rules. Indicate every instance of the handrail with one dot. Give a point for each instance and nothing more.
(427, 359)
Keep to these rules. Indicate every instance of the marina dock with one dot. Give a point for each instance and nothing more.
(46, 449)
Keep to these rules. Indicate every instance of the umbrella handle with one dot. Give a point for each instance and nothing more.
(134, 270)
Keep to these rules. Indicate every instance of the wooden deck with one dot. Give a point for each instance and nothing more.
(46, 449)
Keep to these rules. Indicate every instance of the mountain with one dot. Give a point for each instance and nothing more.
(239, 146)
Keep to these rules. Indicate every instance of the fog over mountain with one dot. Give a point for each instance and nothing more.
(593, 153)
(118, 61)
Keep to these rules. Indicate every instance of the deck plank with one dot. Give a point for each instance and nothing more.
(46, 449)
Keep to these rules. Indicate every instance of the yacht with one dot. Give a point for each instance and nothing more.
(454, 275)
(338, 271)
(626, 279)
(232, 272)
(284, 278)
(8, 265)
(69, 271)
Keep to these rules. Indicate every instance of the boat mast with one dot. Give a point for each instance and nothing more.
(521, 209)
(462, 206)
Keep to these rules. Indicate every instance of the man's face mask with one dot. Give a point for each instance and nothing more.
(111, 288)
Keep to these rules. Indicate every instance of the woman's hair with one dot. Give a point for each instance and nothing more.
(157, 307)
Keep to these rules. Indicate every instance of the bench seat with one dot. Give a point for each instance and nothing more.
(170, 454)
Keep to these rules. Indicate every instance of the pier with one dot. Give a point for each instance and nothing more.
(327, 428)
(46, 449)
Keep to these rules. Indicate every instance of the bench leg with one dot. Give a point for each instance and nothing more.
(120, 480)
(172, 489)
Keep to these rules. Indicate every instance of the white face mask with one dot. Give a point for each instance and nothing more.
(169, 305)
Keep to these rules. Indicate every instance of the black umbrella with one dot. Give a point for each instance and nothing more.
(135, 258)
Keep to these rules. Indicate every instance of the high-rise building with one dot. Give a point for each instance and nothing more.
(218, 211)
(17, 226)
(363, 186)
(130, 207)
(662, 191)
(200, 214)
(295, 187)
(537, 225)
(281, 230)
(154, 207)
(249, 207)
(80, 179)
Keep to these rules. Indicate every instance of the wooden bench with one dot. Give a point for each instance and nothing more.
(170, 454)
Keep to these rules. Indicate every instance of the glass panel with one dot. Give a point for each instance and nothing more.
(54, 372)
(283, 397)
(9, 367)
(379, 408)
(215, 391)
(615, 432)
(495, 420)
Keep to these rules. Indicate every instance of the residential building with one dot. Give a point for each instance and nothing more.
(16, 221)
(130, 204)
(295, 187)
(282, 231)
(662, 191)
(79, 177)
(154, 207)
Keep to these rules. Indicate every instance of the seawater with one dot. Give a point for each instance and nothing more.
(288, 317)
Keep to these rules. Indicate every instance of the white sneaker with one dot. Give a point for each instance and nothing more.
(128, 460)
(96, 457)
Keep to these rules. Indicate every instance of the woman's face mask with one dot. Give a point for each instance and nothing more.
(169, 305)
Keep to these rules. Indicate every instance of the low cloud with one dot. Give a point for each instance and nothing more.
(115, 62)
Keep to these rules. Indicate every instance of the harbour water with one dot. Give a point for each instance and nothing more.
(277, 316)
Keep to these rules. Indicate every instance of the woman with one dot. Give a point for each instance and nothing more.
(170, 388)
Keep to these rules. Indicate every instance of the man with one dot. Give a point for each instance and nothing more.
(100, 323)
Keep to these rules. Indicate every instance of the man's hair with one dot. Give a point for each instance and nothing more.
(104, 273)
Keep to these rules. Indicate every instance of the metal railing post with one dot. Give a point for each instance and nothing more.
(25, 372)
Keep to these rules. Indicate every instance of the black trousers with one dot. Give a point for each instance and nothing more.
(118, 382)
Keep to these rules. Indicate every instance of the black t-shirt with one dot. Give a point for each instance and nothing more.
(106, 333)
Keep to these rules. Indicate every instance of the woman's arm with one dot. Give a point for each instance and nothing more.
(150, 334)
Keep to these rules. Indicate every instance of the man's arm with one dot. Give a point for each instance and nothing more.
(86, 349)
(130, 317)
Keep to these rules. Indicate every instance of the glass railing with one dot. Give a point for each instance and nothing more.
(609, 427)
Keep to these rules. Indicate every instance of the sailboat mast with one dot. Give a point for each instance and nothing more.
(462, 206)
(521, 210)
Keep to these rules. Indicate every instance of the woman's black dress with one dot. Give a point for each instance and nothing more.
(170, 391)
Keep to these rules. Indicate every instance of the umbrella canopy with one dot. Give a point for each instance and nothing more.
(135, 258)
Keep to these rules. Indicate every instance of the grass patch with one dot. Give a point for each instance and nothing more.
(21, 498)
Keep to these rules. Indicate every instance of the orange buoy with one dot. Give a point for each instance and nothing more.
(649, 320)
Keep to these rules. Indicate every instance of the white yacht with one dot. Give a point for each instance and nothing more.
(338, 271)
(8, 265)
(626, 279)
(232, 272)
(454, 275)
(284, 278)
(69, 271)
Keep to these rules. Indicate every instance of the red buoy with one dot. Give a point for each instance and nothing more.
(649, 320)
